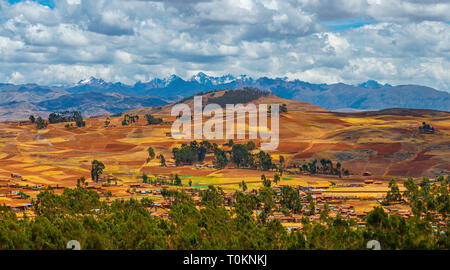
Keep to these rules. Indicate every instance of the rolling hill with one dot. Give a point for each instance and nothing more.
(385, 143)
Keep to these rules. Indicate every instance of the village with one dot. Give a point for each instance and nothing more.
(348, 200)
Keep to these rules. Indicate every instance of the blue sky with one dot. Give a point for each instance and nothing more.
(48, 3)
(344, 24)
(327, 41)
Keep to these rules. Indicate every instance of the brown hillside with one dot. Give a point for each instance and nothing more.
(383, 143)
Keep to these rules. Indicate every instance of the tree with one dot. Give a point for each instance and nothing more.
(240, 155)
(81, 182)
(251, 145)
(186, 154)
(243, 185)
(144, 178)
(266, 182)
(151, 153)
(338, 169)
(96, 170)
(177, 180)
(282, 160)
(32, 119)
(221, 159)
(276, 178)
(151, 120)
(78, 119)
(265, 161)
(162, 160)
(290, 199)
(281, 167)
(40, 123)
(393, 195)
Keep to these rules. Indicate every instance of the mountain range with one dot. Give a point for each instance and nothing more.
(95, 96)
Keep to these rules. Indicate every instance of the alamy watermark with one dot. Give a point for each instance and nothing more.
(213, 127)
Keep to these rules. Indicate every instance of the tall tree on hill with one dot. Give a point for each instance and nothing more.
(265, 161)
(240, 155)
(338, 169)
(32, 119)
(78, 119)
(151, 154)
(393, 195)
(221, 160)
(96, 170)
(162, 160)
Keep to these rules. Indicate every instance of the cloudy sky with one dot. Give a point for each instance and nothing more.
(326, 41)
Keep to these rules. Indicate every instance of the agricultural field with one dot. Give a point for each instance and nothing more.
(373, 146)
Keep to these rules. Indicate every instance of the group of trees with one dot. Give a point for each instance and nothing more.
(323, 166)
(240, 154)
(67, 116)
(151, 154)
(283, 108)
(129, 119)
(162, 160)
(242, 96)
(97, 168)
(427, 197)
(189, 154)
(218, 223)
(53, 118)
(173, 180)
(393, 194)
(220, 158)
(151, 120)
(426, 128)
(40, 123)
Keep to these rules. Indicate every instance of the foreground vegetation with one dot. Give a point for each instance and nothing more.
(237, 223)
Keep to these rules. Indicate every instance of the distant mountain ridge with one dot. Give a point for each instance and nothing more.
(369, 95)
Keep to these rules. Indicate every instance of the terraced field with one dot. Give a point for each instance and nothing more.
(385, 144)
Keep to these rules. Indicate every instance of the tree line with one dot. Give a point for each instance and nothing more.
(219, 223)
(53, 118)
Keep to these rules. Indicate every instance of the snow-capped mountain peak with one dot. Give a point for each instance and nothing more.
(204, 79)
(91, 81)
(171, 79)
